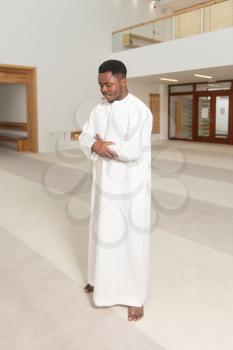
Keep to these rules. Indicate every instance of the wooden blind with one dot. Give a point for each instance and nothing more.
(188, 24)
(218, 16)
(208, 19)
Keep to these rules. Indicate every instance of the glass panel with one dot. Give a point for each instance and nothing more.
(146, 34)
(222, 116)
(142, 36)
(122, 41)
(117, 42)
(214, 86)
(164, 30)
(204, 116)
(181, 88)
(181, 110)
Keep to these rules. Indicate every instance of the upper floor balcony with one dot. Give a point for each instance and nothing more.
(208, 16)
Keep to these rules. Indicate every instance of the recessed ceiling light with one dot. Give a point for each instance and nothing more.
(153, 3)
(169, 79)
(203, 76)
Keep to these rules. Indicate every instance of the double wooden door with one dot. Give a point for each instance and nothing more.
(213, 122)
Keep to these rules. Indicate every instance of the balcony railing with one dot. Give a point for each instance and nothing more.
(202, 18)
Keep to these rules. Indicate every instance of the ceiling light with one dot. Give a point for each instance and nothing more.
(154, 3)
(203, 76)
(169, 79)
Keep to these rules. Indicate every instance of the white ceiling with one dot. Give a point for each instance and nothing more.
(218, 73)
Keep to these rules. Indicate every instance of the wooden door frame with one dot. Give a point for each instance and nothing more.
(12, 74)
(194, 93)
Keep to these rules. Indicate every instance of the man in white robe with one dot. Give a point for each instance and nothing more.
(117, 138)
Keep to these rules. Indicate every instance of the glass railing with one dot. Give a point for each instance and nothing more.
(207, 17)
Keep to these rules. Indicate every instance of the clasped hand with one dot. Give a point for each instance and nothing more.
(102, 148)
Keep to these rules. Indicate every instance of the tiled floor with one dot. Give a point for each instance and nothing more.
(44, 219)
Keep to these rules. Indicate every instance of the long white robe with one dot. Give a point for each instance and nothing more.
(119, 233)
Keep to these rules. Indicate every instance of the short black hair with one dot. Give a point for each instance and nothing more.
(114, 66)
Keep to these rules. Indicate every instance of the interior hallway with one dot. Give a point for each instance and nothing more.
(43, 231)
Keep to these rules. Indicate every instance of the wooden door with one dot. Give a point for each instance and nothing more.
(213, 116)
(155, 109)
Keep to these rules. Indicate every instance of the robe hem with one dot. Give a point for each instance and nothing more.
(118, 301)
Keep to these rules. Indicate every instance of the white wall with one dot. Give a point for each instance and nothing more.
(142, 90)
(66, 41)
(196, 52)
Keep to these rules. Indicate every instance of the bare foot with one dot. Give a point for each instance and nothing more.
(89, 288)
(135, 313)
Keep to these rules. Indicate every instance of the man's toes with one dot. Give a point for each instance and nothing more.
(138, 315)
(130, 316)
(88, 288)
(135, 313)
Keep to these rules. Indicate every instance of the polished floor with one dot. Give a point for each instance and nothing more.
(44, 206)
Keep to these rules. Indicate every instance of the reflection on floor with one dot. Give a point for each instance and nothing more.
(44, 220)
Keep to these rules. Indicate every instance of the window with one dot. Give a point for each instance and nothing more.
(214, 86)
(181, 88)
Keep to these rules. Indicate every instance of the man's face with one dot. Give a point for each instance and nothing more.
(111, 86)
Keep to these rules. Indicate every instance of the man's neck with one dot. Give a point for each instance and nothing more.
(122, 96)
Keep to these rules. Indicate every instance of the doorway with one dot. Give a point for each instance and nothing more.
(10, 74)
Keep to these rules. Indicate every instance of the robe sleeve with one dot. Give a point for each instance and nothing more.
(86, 138)
(138, 137)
